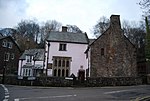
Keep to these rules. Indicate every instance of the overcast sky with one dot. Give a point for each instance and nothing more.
(83, 13)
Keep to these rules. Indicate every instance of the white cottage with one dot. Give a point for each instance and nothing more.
(65, 54)
(31, 63)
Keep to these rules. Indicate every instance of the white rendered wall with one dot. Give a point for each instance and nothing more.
(75, 51)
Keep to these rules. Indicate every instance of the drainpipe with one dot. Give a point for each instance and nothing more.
(47, 56)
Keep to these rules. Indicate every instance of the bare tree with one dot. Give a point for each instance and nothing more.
(145, 4)
(134, 32)
(46, 28)
(29, 28)
(101, 26)
(74, 29)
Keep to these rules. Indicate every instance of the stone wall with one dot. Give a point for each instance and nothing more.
(113, 81)
(39, 81)
(62, 82)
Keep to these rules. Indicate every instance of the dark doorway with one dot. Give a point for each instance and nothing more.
(81, 75)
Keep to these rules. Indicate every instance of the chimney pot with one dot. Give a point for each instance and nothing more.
(64, 29)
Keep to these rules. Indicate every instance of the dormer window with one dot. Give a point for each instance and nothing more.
(29, 59)
(62, 47)
(4, 43)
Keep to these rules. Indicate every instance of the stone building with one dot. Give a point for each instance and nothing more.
(112, 54)
(9, 55)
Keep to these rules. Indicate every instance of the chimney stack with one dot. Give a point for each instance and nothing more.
(115, 21)
(64, 29)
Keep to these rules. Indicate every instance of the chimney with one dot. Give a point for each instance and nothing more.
(115, 22)
(64, 29)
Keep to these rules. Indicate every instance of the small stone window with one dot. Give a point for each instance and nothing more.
(102, 51)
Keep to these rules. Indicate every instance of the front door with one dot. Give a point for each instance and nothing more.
(81, 75)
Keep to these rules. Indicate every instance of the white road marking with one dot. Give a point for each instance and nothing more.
(119, 91)
(6, 93)
(46, 97)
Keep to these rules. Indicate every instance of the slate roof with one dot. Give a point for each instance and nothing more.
(69, 37)
(37, 53)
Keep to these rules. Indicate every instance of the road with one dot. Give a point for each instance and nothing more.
(2, 92)
(122, 93)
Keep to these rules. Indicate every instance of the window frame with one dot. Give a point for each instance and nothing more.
(30, 59)
(6, 56)
(12, 56)
(9, 44)
(62, 47)
(4, 44)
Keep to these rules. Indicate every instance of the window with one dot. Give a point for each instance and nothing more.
(27, 72)
(29, 59)
(62, 47)
(9, 44)
(4, 43)
(59, 63)
(59, 71)
(12, 56)
(61, 66)
(67, 73)
(67, 63)
(63, 73)
(6, 57)
(55, 72)
(55, 63)
(63, 63)
(102, 51)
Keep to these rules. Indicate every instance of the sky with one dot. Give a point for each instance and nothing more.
(82, 13)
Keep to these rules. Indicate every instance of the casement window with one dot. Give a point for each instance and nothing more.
(62, 47)
(27, 72)
(6, 56)
(102, 51)
(29, 59)
(4, 43)
(9, 44)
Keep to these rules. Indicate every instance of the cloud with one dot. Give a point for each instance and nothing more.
(12, 11)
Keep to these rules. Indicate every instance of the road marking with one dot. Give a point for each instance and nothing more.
(6, 93)
(46, 97)
(119, 91)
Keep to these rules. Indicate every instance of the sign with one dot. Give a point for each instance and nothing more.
(31, 78)
(67, 78)
(20, 77)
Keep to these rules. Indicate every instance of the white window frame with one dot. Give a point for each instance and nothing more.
(4, 43)
(27, 72)
(29, 58)
(12, 56)
(62, 47)
(9, 44)
(6, 56)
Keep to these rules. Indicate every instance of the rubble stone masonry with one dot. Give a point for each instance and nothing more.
(112, 54)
